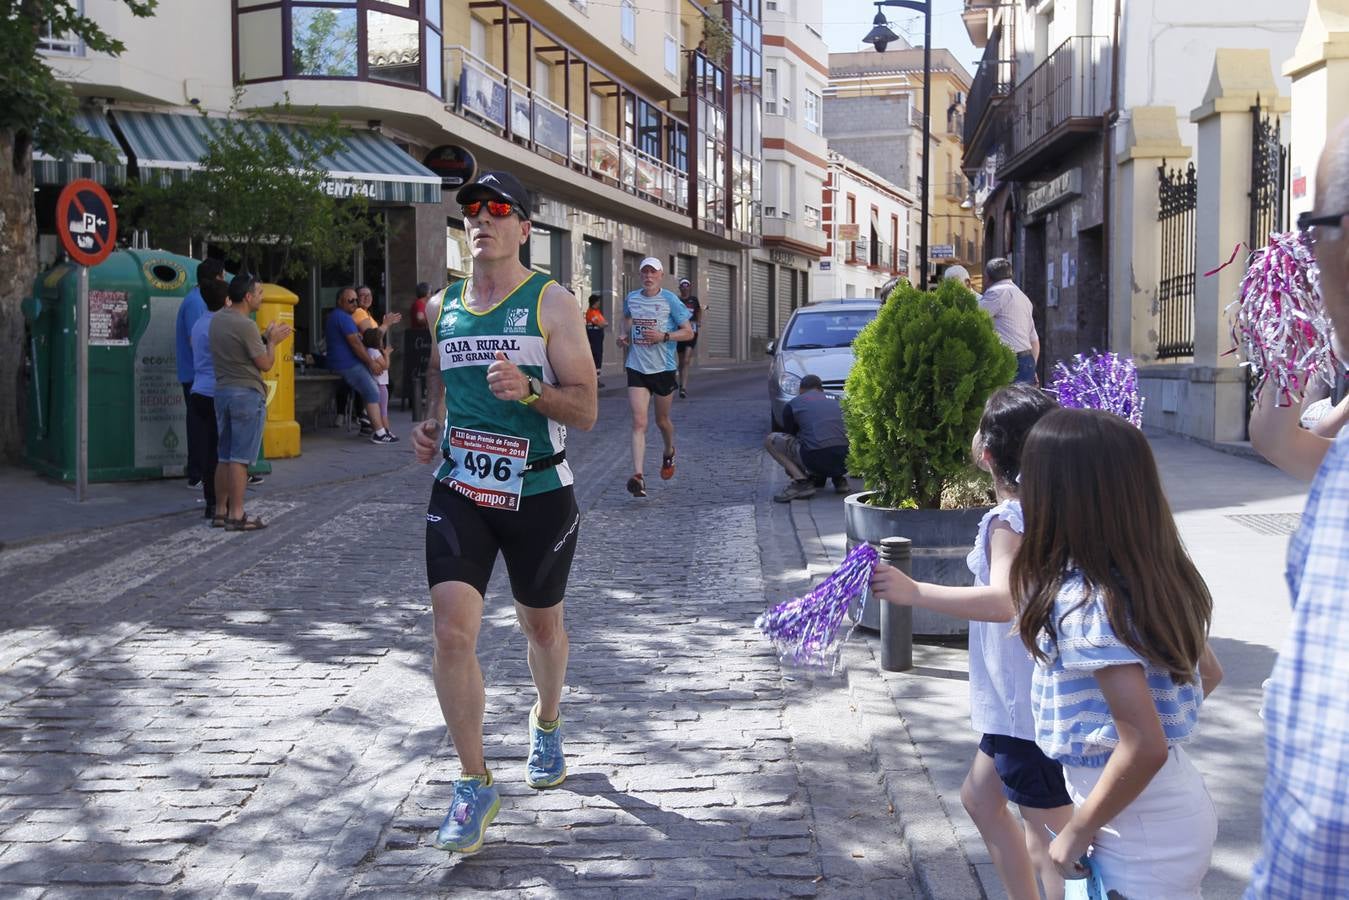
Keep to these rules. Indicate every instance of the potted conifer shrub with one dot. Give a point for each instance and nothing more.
(924, 368)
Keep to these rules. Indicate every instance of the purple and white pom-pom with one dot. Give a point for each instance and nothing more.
(805, 630)
(1280, 320)
(1105, 381)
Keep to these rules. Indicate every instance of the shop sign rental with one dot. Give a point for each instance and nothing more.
(344, 189)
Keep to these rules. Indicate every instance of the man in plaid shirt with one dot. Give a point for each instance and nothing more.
(1305, 850)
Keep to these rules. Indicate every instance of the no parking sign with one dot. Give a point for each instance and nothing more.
(86, 222)
(87, 226)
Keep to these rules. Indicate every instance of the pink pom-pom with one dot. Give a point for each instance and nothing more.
(1280, 320)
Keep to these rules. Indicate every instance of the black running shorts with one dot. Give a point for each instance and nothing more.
(685, 346)
(662, 384)
(538, 542)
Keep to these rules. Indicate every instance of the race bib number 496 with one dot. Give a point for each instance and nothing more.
(488, 468)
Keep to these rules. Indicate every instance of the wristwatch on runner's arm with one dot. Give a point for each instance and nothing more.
(535, 390)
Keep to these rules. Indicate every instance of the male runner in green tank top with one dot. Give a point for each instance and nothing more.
(515, 373)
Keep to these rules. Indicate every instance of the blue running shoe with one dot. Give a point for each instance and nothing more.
(547, 767)
(475, 805)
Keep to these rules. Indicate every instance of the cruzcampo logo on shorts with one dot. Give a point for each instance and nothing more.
(517, 321)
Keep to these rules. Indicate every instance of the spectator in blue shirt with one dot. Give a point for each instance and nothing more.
(189, 311)
(347, 357)
(202, 434)
(813, 444)
(1305, 833)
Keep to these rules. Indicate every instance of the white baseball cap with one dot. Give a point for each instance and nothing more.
(651, 263)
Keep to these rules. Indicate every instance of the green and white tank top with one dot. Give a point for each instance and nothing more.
(488, 441)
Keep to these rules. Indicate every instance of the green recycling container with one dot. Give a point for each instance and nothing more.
(137, 419)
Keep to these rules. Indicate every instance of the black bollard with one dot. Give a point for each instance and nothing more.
(896, 621)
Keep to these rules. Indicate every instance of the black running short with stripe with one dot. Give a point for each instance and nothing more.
(538, 542)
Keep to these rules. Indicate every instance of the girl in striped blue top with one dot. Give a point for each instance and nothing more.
(1117, 617)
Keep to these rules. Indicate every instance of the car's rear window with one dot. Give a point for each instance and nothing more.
(821, 330)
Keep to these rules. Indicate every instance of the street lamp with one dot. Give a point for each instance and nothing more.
(880, 37)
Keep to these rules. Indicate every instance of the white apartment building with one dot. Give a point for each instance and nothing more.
(869, 225)
(632, 136)
(796, 71)
(1075, 111)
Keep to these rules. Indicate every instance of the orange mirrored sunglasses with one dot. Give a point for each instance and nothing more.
(497, 208)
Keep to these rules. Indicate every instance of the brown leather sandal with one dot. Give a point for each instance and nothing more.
(245, 524)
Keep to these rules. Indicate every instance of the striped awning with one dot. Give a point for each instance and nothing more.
(49, 170)
(167, 146)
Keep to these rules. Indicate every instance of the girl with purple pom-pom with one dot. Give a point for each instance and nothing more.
(1008, 764)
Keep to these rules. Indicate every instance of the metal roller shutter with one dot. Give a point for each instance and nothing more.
(683, 268)
(760, 303)
(786, 299)
(715, 335)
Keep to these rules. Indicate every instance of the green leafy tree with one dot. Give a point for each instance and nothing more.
(924, 368)
(35, 106)
(251, 161)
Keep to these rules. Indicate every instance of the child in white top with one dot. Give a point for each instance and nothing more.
(1008, 765)
(373, 339)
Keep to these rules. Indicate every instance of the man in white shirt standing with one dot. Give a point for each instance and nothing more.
(1013, 317)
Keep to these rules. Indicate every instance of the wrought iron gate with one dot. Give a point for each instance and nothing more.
(1177, 196)
(1269, 178)
(1268, 194)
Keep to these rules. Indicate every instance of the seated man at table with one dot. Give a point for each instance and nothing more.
(813, 443)
(347, 357)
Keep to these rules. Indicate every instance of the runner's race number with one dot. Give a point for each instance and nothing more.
(487, 468)
(480, 465)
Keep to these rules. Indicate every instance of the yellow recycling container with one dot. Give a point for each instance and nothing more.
(281, 434)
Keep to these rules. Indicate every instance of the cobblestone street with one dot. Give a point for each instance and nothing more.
(198, 713)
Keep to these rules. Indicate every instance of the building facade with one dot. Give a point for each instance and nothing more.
(1074, 113)
(796, 73)
(637, 130)
(869, 225)
(874, 117)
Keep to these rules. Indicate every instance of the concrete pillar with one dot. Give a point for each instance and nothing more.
(1320, 60)
(1152, 137)
(1240, 79)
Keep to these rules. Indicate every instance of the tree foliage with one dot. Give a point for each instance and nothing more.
(34, 104)
(259, 196)
(924, 368)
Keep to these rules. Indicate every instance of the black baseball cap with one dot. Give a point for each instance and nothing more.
(497, 186)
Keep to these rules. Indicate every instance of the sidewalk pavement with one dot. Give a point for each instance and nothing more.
(40, 508)
(1235, 514)
(328, 456)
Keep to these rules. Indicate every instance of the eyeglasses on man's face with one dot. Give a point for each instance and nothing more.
(1315, 227)
(498, 209)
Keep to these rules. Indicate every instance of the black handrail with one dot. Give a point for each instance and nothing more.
(992, 80)
(1072, 83)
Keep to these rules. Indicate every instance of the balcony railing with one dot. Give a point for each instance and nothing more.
(881, 256)
(1067, 93)
(992, 81)
(484, 94)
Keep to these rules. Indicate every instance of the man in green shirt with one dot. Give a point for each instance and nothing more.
(241, 354)
(515, 373)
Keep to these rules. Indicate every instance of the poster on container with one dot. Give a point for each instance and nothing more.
(109, 320)
(161, 418)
